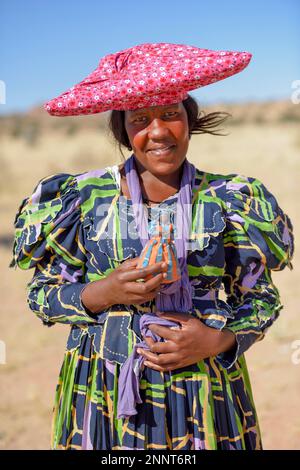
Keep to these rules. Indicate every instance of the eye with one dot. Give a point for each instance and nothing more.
(139, 119)
(171, 113)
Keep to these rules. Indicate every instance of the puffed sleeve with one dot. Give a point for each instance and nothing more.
(258, 238)
(49, 238)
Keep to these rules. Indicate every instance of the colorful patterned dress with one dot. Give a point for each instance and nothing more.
(241, 235)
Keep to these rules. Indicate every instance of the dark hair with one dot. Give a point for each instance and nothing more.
(198, 121)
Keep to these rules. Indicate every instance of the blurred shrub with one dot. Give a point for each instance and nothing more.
(72, 129)
(31, 133)
(290, 116)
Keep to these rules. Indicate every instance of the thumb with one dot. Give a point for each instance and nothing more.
(175, 316)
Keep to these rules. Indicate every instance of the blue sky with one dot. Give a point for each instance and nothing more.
(48, 46)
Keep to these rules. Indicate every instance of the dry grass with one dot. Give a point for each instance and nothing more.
(267, 151)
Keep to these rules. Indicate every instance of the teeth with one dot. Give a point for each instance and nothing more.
(160, 150)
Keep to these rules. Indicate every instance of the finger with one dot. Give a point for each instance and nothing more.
(147, 297)
(142, 288)
(129, 263)
(154, 366)
(152, 294)
(160, 360)
(166, 368)
(149, 341)
(148, 355)
(144, 291)
(143, 298)
(147, 272)
(162, 347)
(133, 275)
(165, 332)
(154, 282)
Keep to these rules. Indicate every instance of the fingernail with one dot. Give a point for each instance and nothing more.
(138, 351)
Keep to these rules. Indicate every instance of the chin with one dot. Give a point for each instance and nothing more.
(163, 168)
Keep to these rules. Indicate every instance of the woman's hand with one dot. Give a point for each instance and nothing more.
(191, 343)
(121, 286)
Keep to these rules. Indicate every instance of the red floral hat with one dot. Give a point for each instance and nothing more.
(149, 74)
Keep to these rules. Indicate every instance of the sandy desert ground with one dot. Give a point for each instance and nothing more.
(267, 150)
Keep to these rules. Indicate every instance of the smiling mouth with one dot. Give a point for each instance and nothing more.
(162, 151)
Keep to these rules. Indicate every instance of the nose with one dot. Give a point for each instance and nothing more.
(157, 128)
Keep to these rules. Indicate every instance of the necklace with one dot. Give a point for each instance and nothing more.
(149, 200)
(157, 202)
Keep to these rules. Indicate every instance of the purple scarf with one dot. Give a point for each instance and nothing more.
(128, 389)
(176, 296)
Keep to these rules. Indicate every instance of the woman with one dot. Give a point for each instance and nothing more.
(133, 256)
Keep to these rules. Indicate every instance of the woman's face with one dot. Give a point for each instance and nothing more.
(159, 137)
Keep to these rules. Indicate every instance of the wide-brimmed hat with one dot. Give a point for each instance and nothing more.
(149, 74)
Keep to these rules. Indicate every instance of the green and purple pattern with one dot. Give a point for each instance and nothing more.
(239, 234)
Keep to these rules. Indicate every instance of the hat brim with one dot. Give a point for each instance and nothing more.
(120, 88)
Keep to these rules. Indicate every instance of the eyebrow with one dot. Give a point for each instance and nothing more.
(140, 111)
